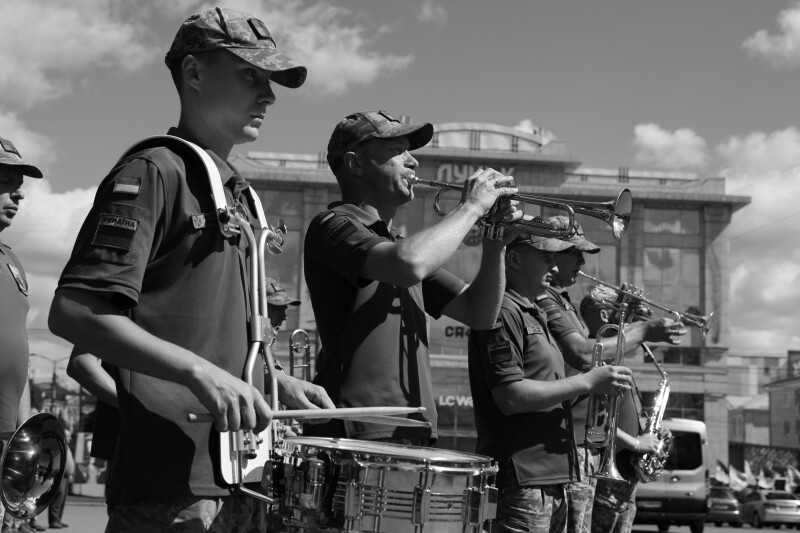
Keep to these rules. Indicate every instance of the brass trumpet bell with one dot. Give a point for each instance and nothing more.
(616, 213)
(605, 294)
(32, 466)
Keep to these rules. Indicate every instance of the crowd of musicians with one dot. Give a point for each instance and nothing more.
(155, 300)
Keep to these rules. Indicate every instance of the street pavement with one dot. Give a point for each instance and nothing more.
(81, 516)
(84, 515)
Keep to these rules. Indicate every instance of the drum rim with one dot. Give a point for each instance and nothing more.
(391, 449)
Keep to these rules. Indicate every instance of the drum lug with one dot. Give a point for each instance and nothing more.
(352, 501)
(308, 485)
(479, 505)
(420, 513)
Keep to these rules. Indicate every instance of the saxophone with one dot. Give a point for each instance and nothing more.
(648, 466)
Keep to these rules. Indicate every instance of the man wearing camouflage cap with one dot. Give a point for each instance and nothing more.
(14, 358)
(572, 336)
(522, 396)
(371, 289)
(156, 289)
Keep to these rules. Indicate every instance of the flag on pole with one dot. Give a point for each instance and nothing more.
(763, 481)
(793, 476)
(738, 482)
(722, 474)
(748, 474)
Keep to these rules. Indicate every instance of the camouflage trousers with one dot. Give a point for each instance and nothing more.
(614, 507)
(540, 509)
(230, 514)
(580, 494)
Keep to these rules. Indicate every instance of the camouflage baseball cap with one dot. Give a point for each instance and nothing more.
(277, 296)
(9, 155)
(541, 243)
(358, 128)
(561, 222)
(241, 34)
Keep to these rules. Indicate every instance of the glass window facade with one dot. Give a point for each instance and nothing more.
(676, 221)
(672, 277)
(680, 405)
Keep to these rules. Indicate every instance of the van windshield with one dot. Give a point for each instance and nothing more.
(687, 452)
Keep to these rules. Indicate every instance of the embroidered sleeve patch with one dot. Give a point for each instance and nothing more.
(204, 220)
(337, 229)
(534, 329)
(499, 352)
(114, 231)
(128, 185)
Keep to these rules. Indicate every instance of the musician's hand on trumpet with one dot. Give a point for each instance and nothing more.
(484, 188)
(609, 379)
(664, 330)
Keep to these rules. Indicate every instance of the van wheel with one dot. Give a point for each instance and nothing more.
(663, 528)
(697, 527)
(756, 521)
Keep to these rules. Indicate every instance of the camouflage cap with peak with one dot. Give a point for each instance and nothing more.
(358, 128)
(276, 295)
(561, 222)
(9, 155)
(241, 34)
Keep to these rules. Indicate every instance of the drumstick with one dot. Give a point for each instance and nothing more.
(385, 420)
(340, 413)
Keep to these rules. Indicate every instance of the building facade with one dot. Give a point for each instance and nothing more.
(676, 248)
(784, 412)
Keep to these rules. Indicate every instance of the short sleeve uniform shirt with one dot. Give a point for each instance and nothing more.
(374, 338)
(150, 245)
(537, 445)
(13, 338)
(562, 320)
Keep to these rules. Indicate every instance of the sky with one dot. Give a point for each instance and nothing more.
(707, 87)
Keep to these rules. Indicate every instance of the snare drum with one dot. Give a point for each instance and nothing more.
(327, 484)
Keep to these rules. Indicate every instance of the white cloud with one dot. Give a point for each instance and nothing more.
(338, 45)
(765, 259)
(35, 148)
(670, 150)
(528, 126)
(46, 43)
(783, 48)
(42, 236)
(432, 11)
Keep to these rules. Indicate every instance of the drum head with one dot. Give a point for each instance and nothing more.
(385, 449)
(32, 466)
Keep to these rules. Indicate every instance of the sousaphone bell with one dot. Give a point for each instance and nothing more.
(32, 466)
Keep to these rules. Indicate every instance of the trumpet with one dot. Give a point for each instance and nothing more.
(608, 466)
(616, 213)
(702, 323)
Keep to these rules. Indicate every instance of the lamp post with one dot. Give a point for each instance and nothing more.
(53, 386)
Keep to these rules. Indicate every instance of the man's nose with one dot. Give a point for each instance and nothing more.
(267, 95)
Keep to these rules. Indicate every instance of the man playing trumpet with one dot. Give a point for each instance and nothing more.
(614, 502)
(371, 289)
(522, 396)
(576, 343)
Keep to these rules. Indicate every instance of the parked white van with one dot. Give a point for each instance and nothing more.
(678, 497)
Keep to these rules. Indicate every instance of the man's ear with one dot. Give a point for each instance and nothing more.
(353, 163)
(605, 314)
(512, 259)
(190, 71)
